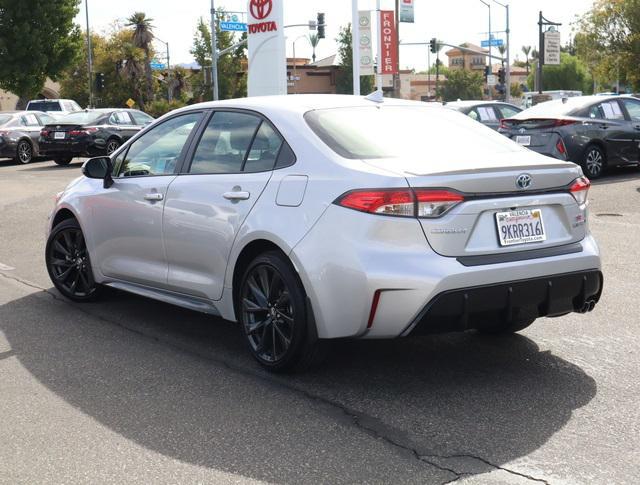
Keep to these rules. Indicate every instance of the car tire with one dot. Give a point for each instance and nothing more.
(594, 161)
(68, 262)
(275, 317)
(24, 152)
(63, 161)
(112, 145)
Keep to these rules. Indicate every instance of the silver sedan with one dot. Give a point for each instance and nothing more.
(310, 218)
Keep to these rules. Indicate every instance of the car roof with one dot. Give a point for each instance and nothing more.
(563, 106)
(22, 112)
(472, 102)
(301, 103)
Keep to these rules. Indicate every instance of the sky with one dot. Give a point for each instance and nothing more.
(452, 21)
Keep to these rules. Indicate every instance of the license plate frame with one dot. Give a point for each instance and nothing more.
(524, 140)
(521, 226)
(59, 135)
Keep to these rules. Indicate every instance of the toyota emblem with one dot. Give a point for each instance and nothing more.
(260, 9)
(524, 181)
(521, 130)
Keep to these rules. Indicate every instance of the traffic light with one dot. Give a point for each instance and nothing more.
(487, 71)
(433, 45)
(99, 81)
(501, 74)
(320, 25)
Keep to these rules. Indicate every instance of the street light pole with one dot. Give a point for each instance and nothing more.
(355, 46)
(214, 53)
(507, 76)
(295, 64)
(89, 57)
(169, 83)
(490, 39)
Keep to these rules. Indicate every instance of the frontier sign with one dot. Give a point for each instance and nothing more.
(267, 48)
(388, 42)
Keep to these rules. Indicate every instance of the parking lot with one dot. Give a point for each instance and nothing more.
(131, 390)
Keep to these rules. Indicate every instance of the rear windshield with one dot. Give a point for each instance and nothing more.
(80, 118)
(4, 119)
(403, 131)
(44, 106)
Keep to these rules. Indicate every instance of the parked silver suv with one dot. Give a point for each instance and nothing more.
(307, 218)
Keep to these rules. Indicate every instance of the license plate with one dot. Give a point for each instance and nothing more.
(59, 135)
(520, 227)
(524, 140)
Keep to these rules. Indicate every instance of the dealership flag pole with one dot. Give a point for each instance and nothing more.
(355, 46)
(379, 63)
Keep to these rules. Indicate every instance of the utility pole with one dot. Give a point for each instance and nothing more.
(396, 77)
(490, 42)
(355, 46)
(214, 53)
(379, 39)
(89, 57)
(507, 72)
(170, 87)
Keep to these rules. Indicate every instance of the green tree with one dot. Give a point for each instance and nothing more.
(608, 41)
(314, 40)
(570, 74)
(142, 39)
(526, 50)
(461, 84)
(232, 78)
(37, 40)
(344, 81)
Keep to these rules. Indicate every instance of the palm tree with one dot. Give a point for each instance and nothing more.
(526, 49)
(314, 40)
(142, 38)
(133, 71)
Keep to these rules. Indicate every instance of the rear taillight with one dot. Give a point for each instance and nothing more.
(580, 189)
(85, 131)
(44, 133)
(564, 122)
(401, 202)
(504, 124)
(4, 133)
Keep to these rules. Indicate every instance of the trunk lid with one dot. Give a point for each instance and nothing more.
(471, 227)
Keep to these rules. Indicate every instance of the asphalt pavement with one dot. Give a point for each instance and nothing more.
(129, 390)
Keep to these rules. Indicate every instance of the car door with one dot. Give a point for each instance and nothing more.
(30, 126)
(614, 131)
(123, 124)
(208, 203)
(126, 222)
(632, 108)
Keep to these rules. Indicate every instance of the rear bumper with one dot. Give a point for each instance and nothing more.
(490, 305)
(74, 148)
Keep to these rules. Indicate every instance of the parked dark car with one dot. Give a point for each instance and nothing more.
(19, 133)
(488, 113)
(90, 133)
(594, 131)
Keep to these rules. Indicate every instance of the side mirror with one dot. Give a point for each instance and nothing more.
(99, 168)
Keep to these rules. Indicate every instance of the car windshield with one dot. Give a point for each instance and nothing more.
(402, 131)
(4, 119)
(44, 106)
(81, 118)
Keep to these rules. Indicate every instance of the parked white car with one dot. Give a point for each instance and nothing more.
(54, 107)
(307, 218)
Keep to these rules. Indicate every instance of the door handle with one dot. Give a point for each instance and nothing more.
(236, 195)
(636, 127)
(154, 196)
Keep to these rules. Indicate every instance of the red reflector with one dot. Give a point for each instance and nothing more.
(564, 122)
(374, 307)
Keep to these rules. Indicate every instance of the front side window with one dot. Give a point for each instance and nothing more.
(158, 150)
(508, 111)
(225, 143)
(141, 118)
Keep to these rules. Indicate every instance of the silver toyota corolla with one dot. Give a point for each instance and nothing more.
(308, 218)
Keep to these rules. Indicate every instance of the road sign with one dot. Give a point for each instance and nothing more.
(491, 80)
(552, 47)
(406, 11)
(130, 102)
(492, 43)
(233, 26)
(157, 64)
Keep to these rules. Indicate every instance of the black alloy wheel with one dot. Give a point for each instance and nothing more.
(63, 161)
(68, 262)
(24, 152)
(594, 161)
(272, 312)
(112, 146)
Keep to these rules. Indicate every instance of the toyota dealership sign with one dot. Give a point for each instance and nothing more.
(267, 48)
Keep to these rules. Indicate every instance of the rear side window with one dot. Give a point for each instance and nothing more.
(29, 120)
(264, 150)
(119, 118)
(225, 143)
(611, 110)
(486, 113)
